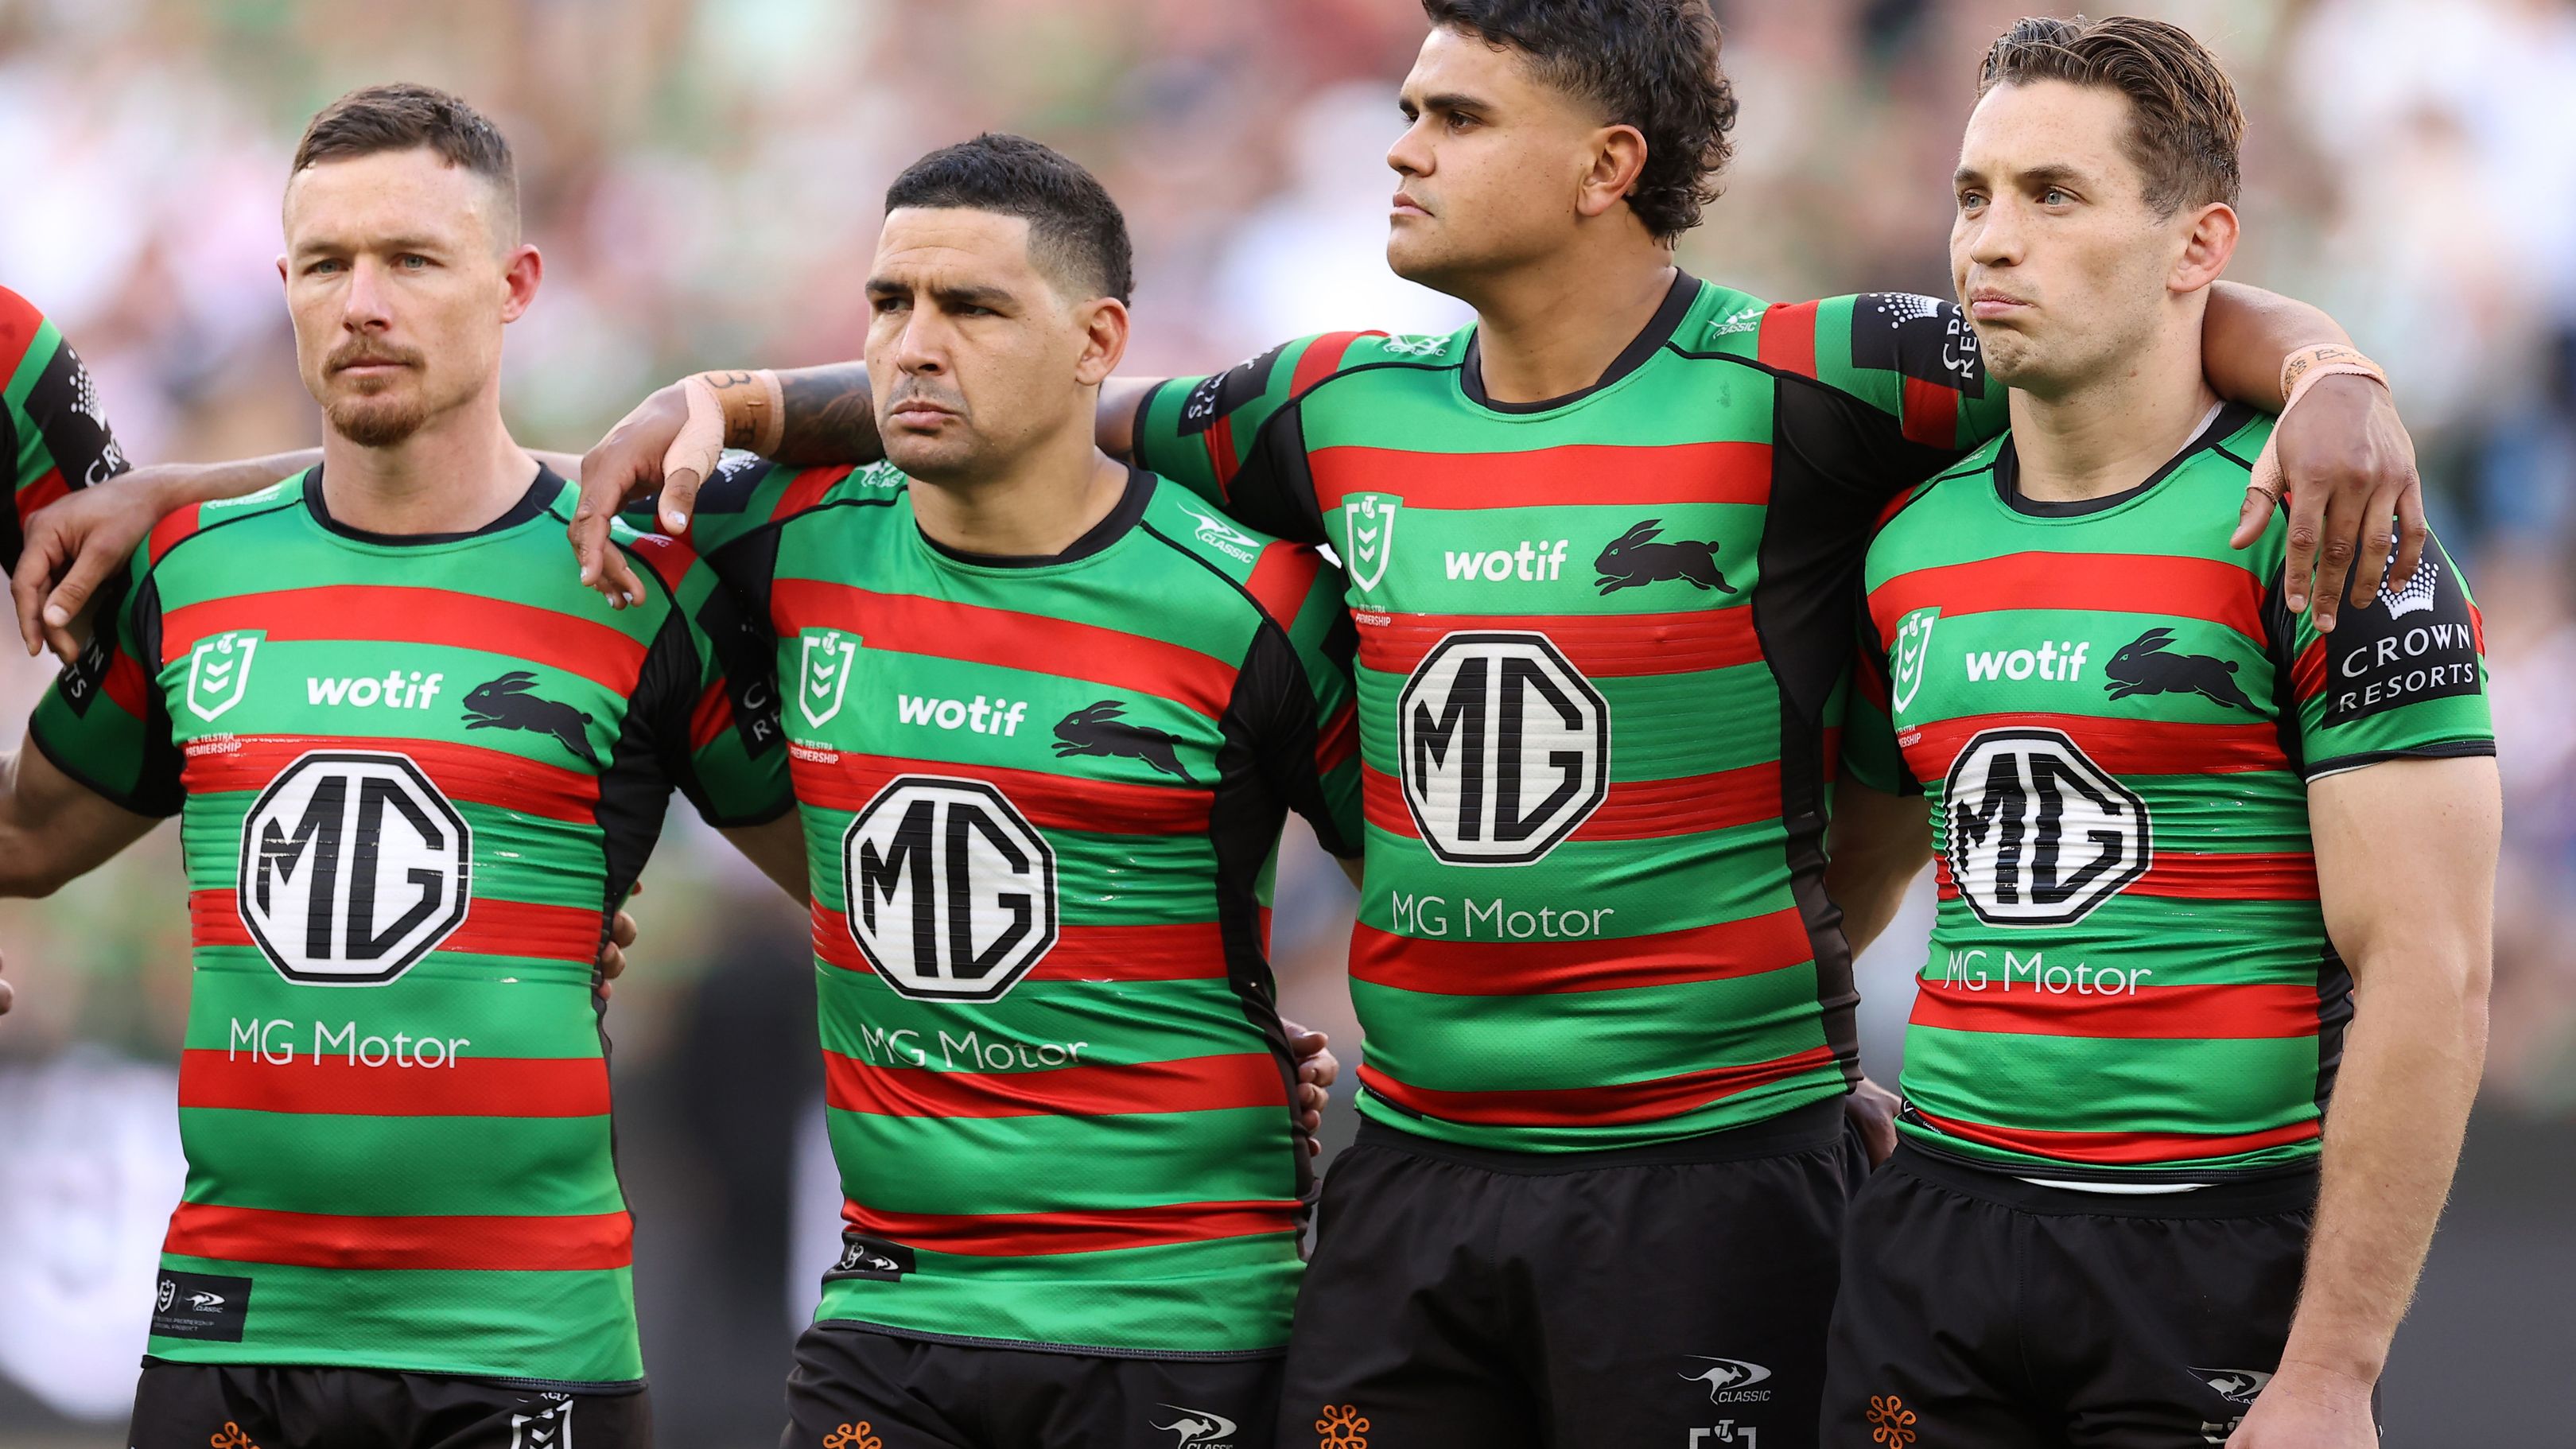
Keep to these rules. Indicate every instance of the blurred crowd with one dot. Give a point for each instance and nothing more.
(703, 177)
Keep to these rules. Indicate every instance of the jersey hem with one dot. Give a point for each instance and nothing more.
(54, 757)
(2437, 750)
(1024, 1345)
(617, 1387)
(1803, 1128)
(2263, 1193)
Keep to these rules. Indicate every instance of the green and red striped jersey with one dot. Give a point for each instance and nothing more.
(2114, 716)
(415, 774)
(1043, 799)
(1601, 667)
(53, 433)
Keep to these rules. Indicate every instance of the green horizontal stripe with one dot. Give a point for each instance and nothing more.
(1759, 1104)
(985, 1164)
(399, 1166)
(1587, 1038)
(573, 1327)
(1662, 726)
(2184, 942)
(2003, 1157)
(1230, 1295)
(1141, 880)
(1647, 886)
(1672, 401)
(545, 1012)
(2108, 1084)
(1115, 1021)
(516, 857)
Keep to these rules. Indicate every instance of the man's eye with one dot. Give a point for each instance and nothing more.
(2054, 197)
(1970, 201)
(889, 304)
(410, 262)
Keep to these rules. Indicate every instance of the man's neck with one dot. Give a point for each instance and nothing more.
(2099, 438)
(1036, 509)
(1552, 328)
(455, 475)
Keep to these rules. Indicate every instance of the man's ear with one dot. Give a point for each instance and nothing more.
(2205, 249)
(1104, 340)
(1618, 157)
(520, 273)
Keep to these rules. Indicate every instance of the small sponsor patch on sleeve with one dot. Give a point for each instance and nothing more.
(2415, 641)
(64, 402)
(866, 1257)
(201, 1306)
(1923, 338)
(1218, 395)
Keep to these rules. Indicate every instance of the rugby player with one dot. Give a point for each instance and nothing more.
(1599, 549)
(1048, 716)
(2205, 1007)
(418, 772)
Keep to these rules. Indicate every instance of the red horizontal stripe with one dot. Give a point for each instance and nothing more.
(461, 1086)
(1194, 951)
(470, 773)
(1649, 1101)
(2148, 1012)
(1191, 1084)
(667, 557)
(1633, 810)
(1219, 441)
(1487, 967)
(571, 1243)
(1282, 577)
(380, 613)
(127, 684)
(50, 488)
(1931, 414)
(1598, 645)
(2308, 671)
(2187, 875)
(1338, 740)
(1610, 475)
(1788, 338)
(1013, 1235)
(2137, 583)
(1051, 802)
(2124, 1148)
(807, 489)
(1321, 359)
(2121, 746)
(490, 928)
(711, 716)
(1007, 639)
(174, 526)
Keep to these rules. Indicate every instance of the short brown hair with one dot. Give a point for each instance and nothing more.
(2184, 122)
(402, 116)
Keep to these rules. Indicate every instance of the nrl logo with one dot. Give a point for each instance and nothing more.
(1368, 524)
(1906, 661)
(219, 671)
(825, 678)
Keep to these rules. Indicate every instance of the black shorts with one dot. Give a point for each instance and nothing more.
(1980, 1311)
(258, 1406)
(1673, 1297)
(855, 1387)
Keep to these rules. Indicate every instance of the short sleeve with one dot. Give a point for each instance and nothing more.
(714, 706)
(103, 721)
(1229, 436)
(56, 432)
(1869, 753)
(1910, 358)
(2403, 677)
(1326, 644)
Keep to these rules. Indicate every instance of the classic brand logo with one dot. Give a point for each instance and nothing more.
(1503, 745)
(353, 867)
(1199, 1428)
(1368, 527)
(1224, 537)
(219, 671)
(1906, 660)
(951, 890)
(2039, 835)
(824, 678)
(1731, 1380)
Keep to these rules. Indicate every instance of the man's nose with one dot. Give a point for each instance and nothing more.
(363, 307)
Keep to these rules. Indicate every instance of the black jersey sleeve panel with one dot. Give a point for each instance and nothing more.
(650, 756)
(64, 411)
(1274, 690)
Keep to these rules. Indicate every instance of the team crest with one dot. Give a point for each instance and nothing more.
(1368, 528)
(824, 680)
(219, 671)
(1906, 662)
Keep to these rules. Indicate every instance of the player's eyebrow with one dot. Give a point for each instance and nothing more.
(2055, 173)
(1454, 101)
(328, 243)
(953, 294)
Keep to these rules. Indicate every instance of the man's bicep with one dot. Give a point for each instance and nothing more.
(778, 848)
(1232, 437)
(2406, 849)
(1913, 359)
(54, 828)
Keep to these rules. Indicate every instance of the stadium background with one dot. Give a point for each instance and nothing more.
(704, 175)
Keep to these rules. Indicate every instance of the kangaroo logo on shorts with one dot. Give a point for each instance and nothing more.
(951, 890)
(2039, 835)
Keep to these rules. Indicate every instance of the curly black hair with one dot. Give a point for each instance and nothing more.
(1651, 64)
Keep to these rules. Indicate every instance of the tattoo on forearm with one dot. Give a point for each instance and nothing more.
(828, 417)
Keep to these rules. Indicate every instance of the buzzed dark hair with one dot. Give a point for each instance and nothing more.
(2184, 123)
(1075, 231)
(402, 117)
(1651, 64)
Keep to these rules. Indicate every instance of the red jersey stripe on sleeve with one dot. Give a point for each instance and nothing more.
(1788, 340)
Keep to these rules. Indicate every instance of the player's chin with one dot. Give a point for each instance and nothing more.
(950, 452)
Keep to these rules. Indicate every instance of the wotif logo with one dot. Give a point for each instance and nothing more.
(1198, 1428)
(1534, 561)
(393, 691)
(2060, 660)
(981, 715)
(219, 671)
(1368, 533)
(823, 679)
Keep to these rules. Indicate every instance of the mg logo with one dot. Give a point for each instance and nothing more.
(353, 867)
(951, 890)
(1368, 527)
(824, 677)
(1504, 748)
(2038, 834)
(1905, 661)
(219, 671)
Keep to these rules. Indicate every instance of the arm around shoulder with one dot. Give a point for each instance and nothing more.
(53, 829)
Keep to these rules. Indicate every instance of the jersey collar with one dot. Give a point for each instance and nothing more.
(1659, 330)
(1111, 528)
(2223, 424)
(549, 486)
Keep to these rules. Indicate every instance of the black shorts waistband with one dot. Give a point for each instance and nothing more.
(2273, 1193)
(1810, 1128)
